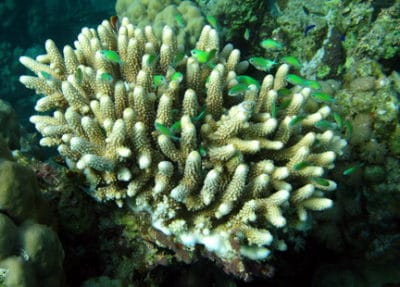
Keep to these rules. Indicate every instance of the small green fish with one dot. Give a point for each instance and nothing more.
(177, 76)
(262, 64)
(321, 181)
(285, 104)
(351, 170)
(176, 126)
(202, 151)
(338, 119)
(151, 59)
(271, 44)
(247, 80)
(79, 75)
(246, 34)
(301, 165)
(325, 125)
(238, 90)
(111, 56)
(159, 80)
(274, 110)
(212, 21)
(46, 75)
(292, 61)
(296, 120)
(106, 78)
(349, 129)
(201, 115)
(178, 58)
(283, 92)
(322, 97)
(312, 84)
(203, 56)
(162, 129)
(295, 80)
(179, 20)
(175, 112)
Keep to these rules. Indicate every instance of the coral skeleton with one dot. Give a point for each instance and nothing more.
(229, 173)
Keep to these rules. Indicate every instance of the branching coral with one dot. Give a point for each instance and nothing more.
(228, 173)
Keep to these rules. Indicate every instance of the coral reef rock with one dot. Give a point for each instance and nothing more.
(30, 253)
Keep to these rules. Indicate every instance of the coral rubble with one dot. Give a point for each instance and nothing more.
(159, 131)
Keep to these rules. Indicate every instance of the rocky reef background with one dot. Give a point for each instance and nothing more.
(353, 50)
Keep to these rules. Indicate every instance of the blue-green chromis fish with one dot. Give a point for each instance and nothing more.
(106, 78)
(203, 56)
(338, 119)
(238, 90)
(78, 75)
(292, 61)
(352, 169)
(162, 129)
(322, 97)
(46, 75)
(212, 21)
(178, 58)
(271, 44)
(246, 34)
(312, 84)
(176, 126)
(321, 181)
(274, 110)
(295, 80)
(151, 59)
(296, 120)
(111, 56)
(301, 165)
(201, 115)
(325, 125)
(177, 76)
(247, 80)
(159, 80)
(348, 129)
(284, 104)
(202, 151)
(179, 20)
(262, 64)
(283, 92)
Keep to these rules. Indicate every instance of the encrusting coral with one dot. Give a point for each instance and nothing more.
(157, 130)
(185, 16)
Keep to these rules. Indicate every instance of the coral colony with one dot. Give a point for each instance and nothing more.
(164, 134)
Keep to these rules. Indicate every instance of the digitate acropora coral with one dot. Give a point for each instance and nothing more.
(224, 172)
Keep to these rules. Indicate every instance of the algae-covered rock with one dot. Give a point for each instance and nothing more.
(9, 125)
(30, 253)
(35, 255)
(8, 236)
(4, 150)
(18, 273)
(235, 16)
(42, 248)
(18, 191)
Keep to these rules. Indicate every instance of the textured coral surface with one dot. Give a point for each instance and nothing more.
(152, 127)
